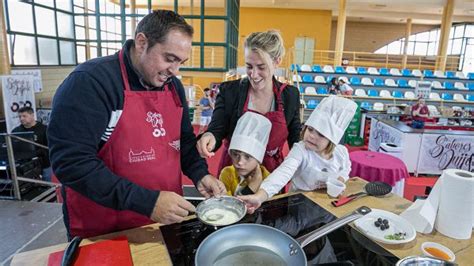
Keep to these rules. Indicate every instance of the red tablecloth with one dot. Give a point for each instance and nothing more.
(376, 166)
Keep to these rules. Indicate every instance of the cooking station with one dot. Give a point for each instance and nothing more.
(294, 214)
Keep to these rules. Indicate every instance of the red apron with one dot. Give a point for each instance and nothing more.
(143, 148)
(278, 135)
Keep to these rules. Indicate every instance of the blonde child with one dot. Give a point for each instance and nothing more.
(247, 149)
(317, 157)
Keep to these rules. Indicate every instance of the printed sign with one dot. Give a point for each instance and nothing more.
(36, 73)
(43, 115)
(17, 92)
(440, 152)
(383, 133)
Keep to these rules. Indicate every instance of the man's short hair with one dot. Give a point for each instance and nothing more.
(159, 23)
(207, 89)
(26, 109)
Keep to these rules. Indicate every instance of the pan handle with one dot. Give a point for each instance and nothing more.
(328, 228)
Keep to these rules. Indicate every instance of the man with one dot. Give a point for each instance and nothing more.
(28, 124)
(207, 105)
(118, 137)
(420, 113)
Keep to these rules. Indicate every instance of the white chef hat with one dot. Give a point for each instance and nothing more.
(251, 135)
(332, 116)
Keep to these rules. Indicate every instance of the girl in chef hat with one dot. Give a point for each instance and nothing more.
(247, 148)
(317, 157)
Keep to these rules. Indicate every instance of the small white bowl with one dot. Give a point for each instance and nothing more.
(438, 246)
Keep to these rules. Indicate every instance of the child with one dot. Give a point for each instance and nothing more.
(333, 86)
(207, 105)
(316, 158)
(247, 148)
(344, 87)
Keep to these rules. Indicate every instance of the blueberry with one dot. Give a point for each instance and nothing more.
(382, 227)
(377, 224)
(379, 220)
(387, 226)
(385, 221)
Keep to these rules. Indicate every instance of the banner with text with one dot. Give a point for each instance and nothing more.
(440, 152)
(36, 73)
(18, 92)
(383, 133)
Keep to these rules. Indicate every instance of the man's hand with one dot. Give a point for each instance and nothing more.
(210, 186)
(171, 208)
(206, 144)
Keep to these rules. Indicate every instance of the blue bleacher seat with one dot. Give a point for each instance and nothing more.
(384, 71)
(328, 78)
(301, 88)
(447, 96)
(311, 104)
(339, 70)
(379, 82)
(449, 85)
(293, 66)
(451, 74)
(308, 79)
(470, 97)
(362, 70)
(470, 86)
(355, 80)
(322, 90)
(397, 94)
(428, 73)
(470, 75)
(317, 69)
(402, 83)
(373, 93)
(406, 72)
(366, 105)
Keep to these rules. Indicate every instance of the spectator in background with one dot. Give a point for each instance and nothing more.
(420, 113)
(333, 86)
(207, 106)
(344, 88)
(28, 124)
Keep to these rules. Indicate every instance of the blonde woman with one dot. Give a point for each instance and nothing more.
(259, 92)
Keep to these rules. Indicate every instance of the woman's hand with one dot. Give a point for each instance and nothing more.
(206, 145)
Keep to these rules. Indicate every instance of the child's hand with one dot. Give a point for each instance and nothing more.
(254, 201)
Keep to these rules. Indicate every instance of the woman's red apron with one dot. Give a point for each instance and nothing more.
(144, 148)
(278, 135)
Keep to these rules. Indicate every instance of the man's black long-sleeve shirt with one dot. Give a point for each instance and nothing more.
(82, 118)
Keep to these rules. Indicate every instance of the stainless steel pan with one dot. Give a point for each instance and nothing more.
(255, 244)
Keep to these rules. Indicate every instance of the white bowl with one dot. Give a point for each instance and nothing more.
(438, 246)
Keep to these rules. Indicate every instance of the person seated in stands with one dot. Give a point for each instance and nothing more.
(419, 113)
(247, 148)
(344, 88)
(28, 124)
(333, 86)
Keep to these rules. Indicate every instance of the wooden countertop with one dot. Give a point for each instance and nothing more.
(148, 248)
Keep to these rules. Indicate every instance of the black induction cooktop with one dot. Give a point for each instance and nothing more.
(296, 215)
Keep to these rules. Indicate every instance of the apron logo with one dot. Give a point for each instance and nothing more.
(271, 153)
(156, 120)
(175, 144)
(141, 156)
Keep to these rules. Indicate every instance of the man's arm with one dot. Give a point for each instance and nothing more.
(192, 164)
(81, 110)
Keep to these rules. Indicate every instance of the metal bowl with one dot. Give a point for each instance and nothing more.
(221, 211)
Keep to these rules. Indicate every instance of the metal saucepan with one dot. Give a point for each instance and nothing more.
(256, 244)
(221, 211)
(376, 189)
(423, 260)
